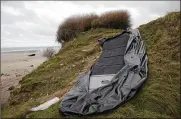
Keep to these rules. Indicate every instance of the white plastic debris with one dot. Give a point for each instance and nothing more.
(45, 105)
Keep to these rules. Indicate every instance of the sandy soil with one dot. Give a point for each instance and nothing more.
(13, 67)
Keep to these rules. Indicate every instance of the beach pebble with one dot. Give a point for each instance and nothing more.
(17, 75)
(11, 88)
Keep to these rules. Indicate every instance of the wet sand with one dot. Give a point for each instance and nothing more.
(14, 66)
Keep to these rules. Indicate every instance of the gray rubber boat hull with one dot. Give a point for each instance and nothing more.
(122, 86)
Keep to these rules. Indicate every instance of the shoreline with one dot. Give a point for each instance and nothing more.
(14, 66)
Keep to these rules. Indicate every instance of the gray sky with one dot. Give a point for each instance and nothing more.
(34, 23)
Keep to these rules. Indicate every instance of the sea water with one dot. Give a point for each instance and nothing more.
(28, 49)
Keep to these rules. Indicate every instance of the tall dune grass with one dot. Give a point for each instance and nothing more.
(75, 24)
(114, 19)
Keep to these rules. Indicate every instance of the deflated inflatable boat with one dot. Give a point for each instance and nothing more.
(115, 78)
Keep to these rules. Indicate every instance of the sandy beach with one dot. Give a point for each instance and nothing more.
(14, 66)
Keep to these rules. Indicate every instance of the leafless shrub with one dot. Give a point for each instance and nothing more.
(49, 53)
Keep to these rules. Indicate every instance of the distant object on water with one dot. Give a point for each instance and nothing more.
(31, 55)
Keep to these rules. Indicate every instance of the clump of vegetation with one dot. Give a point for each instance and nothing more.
(115, 19)
(49, 53)
(75, 24)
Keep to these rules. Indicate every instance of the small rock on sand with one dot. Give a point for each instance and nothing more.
(31, 55)
(17, 75)
(11, 88)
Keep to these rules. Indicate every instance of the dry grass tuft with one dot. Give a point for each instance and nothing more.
(75, 24)
(115, 19)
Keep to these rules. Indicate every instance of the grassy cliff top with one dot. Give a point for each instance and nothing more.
(160, 97)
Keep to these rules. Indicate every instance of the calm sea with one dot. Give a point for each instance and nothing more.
(27, 49)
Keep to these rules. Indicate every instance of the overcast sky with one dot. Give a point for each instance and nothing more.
(34, 23)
